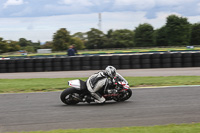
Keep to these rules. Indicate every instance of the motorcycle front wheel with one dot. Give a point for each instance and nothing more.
(70, 96)
(124, 96)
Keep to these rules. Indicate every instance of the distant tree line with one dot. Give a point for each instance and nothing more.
(22, 44)
(176, 32)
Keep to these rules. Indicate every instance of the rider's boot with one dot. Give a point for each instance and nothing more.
(98, 98)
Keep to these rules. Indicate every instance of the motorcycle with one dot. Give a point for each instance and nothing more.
(118, 91)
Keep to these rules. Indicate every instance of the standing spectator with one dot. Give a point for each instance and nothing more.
(70, 51)
(75, 50)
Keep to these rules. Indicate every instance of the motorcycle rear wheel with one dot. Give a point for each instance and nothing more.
(67, 96)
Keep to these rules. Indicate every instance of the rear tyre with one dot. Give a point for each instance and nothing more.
(68, 96)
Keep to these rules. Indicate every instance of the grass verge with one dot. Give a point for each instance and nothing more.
(55, 84)
(105, 51)
(172, 128)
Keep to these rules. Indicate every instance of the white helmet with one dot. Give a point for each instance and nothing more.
(110, 71)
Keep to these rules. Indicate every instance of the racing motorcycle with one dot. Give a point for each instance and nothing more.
(78, 92)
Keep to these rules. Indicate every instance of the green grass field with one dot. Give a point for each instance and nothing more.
(172, 128)
(105, 51)
(55, 84)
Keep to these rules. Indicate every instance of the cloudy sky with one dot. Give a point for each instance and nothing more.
(38, 20)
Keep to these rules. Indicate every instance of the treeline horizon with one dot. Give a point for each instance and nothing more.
(177, 31)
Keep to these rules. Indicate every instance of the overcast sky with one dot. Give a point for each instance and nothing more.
(38, 20)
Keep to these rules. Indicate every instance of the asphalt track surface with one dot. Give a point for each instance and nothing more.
(147, 106)
(191, 71)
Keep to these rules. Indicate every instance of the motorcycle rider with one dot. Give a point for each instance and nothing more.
(100, 80)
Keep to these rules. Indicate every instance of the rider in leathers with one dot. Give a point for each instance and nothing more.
(100, 80)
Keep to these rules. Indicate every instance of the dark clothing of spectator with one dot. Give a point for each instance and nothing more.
(75, 50)
(70, 52)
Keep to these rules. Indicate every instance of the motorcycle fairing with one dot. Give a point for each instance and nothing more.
(75, 83)
(78, 84)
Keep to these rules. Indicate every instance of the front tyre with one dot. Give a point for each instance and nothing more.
(127, 94)
(68, 96)
(124, 95)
